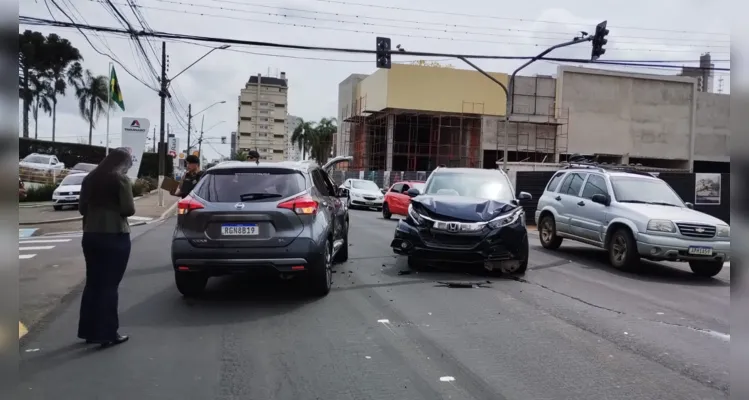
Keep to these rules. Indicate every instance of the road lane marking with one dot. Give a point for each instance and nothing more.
(45, 241)
(25, 256)
(36, 248)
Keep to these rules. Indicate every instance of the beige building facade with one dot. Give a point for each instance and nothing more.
(262, 111)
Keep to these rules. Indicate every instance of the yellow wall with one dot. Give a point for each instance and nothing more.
(415, 87)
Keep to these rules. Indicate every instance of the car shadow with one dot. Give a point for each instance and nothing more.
(592, 258)
(226, 300)
(398, 267)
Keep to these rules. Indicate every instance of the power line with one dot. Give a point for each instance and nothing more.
(484, 16)
(440, 27)
(414, 36)
(40, 21)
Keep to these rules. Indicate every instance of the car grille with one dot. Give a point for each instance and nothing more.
(68, 193)
(370, 198)
(452, 240)
(696, 230)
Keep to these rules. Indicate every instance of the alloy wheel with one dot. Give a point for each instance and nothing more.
(619, 248)
(546, 231)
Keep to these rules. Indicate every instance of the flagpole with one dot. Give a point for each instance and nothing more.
(109, 103)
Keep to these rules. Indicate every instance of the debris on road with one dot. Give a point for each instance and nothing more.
(447, 379)
(404, 272)
(465, 285)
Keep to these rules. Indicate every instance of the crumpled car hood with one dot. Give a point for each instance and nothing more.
(462, 208)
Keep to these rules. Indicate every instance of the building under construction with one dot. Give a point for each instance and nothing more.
(414, 118)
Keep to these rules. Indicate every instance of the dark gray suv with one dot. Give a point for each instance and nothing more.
(286, 217)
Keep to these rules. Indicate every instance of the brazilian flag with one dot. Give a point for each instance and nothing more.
(115, 91)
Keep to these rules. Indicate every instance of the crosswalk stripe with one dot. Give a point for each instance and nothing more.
(25, 256)
(45, 241)
(33, 248)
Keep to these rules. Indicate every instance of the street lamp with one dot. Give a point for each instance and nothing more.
(189, 119)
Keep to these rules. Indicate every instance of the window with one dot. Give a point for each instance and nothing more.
(278, 136)
(319, 181)
(263, 150)
(264, 119)
(419, 186)
(644, 190)
(246, 118)
(263, 111)
(279, 105)
(554, 182)
(596, 185)
(405, 188)
(37, 159)
(262, 134)
(277, 151)
(397, 188)
(228, 185)
(263, 104)
(279, 120)
(329, 182)
(365, 185)
(263, 126)
(482, 185)
(572, 184)
(72, 180)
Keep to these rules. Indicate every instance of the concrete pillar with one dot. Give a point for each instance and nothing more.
(389, 155)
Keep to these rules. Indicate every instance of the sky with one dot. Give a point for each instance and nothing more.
(678, 31)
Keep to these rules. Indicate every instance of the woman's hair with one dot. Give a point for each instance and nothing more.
(101, 186)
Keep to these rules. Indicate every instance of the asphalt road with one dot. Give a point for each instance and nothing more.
(571, 329)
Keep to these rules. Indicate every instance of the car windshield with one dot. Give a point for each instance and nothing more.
(72, 180)
(84, 167)
(419, 186)
(256, 184)
(365, 185)
(644, 190)
(37, 159)
(481, 185)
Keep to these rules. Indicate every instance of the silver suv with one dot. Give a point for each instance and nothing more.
(632, 215)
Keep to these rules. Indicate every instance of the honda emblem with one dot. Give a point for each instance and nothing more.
(452, 226)
(239, 206)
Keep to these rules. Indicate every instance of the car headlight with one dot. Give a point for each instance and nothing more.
(507, 219)
(723, 231)
(414, 215)
(661, 225)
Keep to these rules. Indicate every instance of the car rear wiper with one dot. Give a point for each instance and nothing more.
(258, 196)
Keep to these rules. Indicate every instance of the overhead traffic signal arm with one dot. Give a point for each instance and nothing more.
(599, 40)
(383, 52)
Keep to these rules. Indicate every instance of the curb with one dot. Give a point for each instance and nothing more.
(166, 214)
(38, 205)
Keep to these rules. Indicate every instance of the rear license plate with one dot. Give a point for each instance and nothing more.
(700, 251)
(239, 230)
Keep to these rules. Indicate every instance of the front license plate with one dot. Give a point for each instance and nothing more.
(700, 251)
(70, 198)
(239, 230)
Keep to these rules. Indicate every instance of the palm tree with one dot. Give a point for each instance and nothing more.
(92, 99)
(239, 156)
(32, 65)
(321, 141)
(40, 93)
(302, 135)
(64, 68)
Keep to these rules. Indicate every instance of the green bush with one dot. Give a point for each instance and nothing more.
(39, 193)
(138, 188)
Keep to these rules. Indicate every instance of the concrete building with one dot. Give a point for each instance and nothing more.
(261, 123)
(414, 118)
(347, 102)
(233, 144)
(292, 149)
(703, 73)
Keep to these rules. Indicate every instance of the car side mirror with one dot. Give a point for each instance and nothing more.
(413, 192)
(341, 192)
(525, 196)
(383, 191)
(689, 205)
(601, 199)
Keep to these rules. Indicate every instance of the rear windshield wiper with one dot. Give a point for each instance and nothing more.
(258, 196)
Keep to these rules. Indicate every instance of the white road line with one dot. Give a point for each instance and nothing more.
(33, 248)
(44, 241)
(25, 256)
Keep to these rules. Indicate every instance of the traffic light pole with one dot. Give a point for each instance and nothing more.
(161, 147)
(189, 121)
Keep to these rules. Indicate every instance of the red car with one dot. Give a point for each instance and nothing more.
(396, 200)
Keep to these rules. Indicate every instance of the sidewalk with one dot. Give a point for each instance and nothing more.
(46, 220)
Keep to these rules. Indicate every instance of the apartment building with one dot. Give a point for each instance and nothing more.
(292, 149)
(262, 111)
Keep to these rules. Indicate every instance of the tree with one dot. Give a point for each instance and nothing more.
(302, 135)
(64, 68)
(239, 156)
(32, 64)
(91, 92)
(41, 92)
(321, 140)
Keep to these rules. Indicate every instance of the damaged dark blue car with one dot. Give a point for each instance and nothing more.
(465, 216)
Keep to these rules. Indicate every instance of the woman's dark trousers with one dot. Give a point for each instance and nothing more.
(106, 257)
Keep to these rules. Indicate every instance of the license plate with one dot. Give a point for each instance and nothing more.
(700, 251)
(239, 230)
(71, 198)
(369, 203)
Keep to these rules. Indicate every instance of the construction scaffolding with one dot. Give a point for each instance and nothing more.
(409, 140)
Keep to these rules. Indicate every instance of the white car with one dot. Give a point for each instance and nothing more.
(45, 162)
(363, 193)
(69, 191)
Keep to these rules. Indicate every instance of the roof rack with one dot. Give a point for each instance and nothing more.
(581, 163)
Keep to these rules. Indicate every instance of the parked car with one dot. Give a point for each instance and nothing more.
(396, 199)
(69, 191)
(632, 215)
(82, 167)
(362, 193)
(45, 162)
(21, 190)
(465, 216)
(287, 217)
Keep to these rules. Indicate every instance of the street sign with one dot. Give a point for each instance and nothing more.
(172, 146)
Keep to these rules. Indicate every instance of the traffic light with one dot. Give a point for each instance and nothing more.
(383, 52)
(599, 40)
(223, 139)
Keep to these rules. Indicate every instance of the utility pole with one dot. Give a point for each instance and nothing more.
(189, 120)
(200, 138)
(154, 139)
(161, 147)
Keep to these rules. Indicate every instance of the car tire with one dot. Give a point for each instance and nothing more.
(386, 211)
(547, 233)
(342, 255)
(190, 284)
(706, 269)
(57, 208)
(321, 274)
(524, 252)
(622, 249)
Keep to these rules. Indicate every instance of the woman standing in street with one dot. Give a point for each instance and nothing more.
(106, 201)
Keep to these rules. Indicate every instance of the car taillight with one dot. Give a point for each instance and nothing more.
(302, 205)
(188, 204)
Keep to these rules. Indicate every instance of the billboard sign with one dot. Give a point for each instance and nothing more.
(134, 133)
